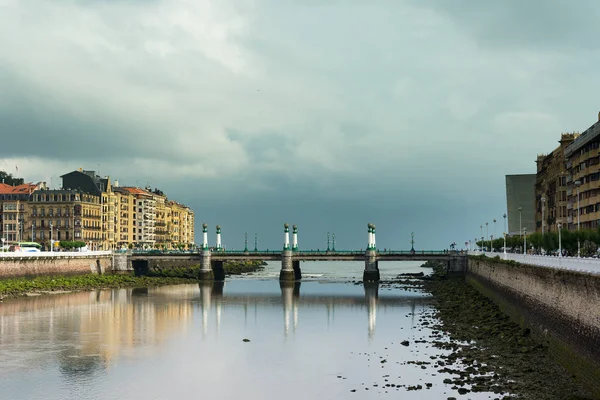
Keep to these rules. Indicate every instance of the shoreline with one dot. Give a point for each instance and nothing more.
(489, 352)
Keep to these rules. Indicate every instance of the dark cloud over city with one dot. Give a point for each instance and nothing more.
(324, 114)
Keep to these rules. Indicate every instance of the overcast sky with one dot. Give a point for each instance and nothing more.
(327, 114)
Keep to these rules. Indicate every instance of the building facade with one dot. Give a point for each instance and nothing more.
(583, 182)
(520, 203)
(89, 208)
(551, 187)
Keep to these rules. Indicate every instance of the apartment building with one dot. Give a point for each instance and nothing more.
(66, 215)
(551, 187)
(583, 182)
(14, 211)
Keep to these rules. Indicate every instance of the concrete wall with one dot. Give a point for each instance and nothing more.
(59, 265)
(562, 307)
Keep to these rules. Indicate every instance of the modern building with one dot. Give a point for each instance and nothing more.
(583, 182)
(520, 203)
(551, 187)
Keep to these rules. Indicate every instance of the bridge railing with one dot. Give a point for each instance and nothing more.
(50, 254)
(581, 264)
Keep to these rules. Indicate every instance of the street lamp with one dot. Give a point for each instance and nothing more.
(577, 184)
(520, 228)
(559, 226)
(524, 240)
(543, 204)
(486, 231)
(494, 227)
(51, 238)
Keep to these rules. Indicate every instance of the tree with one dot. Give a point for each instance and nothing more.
(9, 179)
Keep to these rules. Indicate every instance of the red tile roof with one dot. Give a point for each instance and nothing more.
(25, 188)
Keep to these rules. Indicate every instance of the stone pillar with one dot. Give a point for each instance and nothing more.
(286, 237)
(371, 273)
(218, 237)
(295, 238)
(287, 267)
(204, 237)
(206, 272)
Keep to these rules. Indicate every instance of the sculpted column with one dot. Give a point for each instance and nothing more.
(295, 238)
(206, 272)
(287, 268)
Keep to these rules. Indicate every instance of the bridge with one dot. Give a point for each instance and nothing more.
(211, 260)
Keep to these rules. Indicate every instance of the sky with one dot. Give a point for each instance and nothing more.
(326, 114)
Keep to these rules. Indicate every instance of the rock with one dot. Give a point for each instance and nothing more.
(405, 343)
(246, 340)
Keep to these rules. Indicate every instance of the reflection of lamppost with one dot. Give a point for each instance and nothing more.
(543, 204)
(577, 184)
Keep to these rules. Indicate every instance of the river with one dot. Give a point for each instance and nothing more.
(324, 338)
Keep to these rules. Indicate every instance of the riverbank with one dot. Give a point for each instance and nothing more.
(14, 287)
(488, 351)
(230, 268)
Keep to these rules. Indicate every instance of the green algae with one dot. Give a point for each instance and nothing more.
(14, 287)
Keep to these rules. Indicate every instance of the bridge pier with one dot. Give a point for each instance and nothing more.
(287, 267)
(371, 273)
(206, 271)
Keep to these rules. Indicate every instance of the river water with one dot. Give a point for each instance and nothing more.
(325, 338)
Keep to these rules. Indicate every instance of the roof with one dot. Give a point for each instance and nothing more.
(133, 190)
(26, 188)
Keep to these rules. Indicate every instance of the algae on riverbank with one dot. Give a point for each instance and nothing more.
(488, 351)
(13, 287)
(230, 268)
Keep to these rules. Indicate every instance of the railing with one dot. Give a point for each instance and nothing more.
(301, 252)
(47, 254)
(581, 264)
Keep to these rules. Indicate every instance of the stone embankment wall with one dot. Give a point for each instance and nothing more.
(562, 307)
(59, 265)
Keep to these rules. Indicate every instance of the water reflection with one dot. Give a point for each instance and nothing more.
(290, 293)
(371, 294)
(211, 292)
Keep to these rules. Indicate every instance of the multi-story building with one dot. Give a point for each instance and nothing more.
(14, 211)
(90, 208)
(551, 187)
(583, 182)
(520, 203)
(69, 215)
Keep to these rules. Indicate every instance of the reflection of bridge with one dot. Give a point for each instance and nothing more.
(211, 260)
(211, 294)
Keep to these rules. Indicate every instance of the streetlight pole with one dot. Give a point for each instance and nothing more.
(543, 204)
(559, 226)
(524, 241)
(505, 233)
(491, 242)
(32, 231)
(577, 184)
(486, 232)
(255, 242)
(495, 227)
(51, 239)
(327, 241)
(520, 224)
(333, 242)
